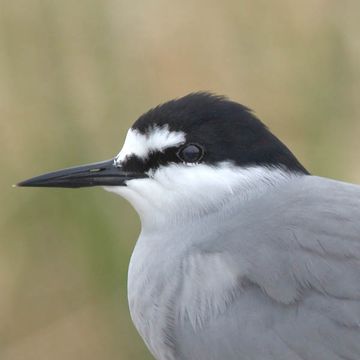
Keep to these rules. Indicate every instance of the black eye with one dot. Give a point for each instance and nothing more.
(190, 153)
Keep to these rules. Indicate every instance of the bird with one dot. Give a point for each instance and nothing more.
(243, 254)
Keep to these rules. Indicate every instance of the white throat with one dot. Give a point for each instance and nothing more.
(179, 193)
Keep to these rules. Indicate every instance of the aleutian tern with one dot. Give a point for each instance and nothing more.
(243, 255)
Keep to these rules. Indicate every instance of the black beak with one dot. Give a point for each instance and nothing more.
(105, 173)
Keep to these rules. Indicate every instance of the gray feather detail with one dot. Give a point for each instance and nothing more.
(296, 252)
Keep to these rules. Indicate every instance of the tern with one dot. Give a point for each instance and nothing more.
(243, 254)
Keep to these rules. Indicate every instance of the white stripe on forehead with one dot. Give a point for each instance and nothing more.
(155, 139)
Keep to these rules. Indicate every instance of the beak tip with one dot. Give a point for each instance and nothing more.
(27, 183)
(21, 184)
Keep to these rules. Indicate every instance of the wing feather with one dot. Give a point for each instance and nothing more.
(304, 254)
(308, 239)
(296, 253)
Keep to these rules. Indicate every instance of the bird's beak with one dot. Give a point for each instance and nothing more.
(105, 173)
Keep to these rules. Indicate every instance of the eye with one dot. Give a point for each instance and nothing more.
(190, 153)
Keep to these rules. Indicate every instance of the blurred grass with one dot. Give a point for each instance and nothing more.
(75, 75)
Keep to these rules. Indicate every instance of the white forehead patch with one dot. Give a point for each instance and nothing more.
(156, 139)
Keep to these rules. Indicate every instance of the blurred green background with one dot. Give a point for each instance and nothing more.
(74, 75)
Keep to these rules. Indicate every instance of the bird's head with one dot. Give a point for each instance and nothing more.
(186, 157)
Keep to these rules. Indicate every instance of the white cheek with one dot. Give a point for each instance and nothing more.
(178, 191)
(178, 188)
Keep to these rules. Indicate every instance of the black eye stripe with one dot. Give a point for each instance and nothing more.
(152, 161)
(190, 153)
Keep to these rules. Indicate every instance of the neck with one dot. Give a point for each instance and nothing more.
(177, 195)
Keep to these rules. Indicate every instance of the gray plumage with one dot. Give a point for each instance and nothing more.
(289, 265)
